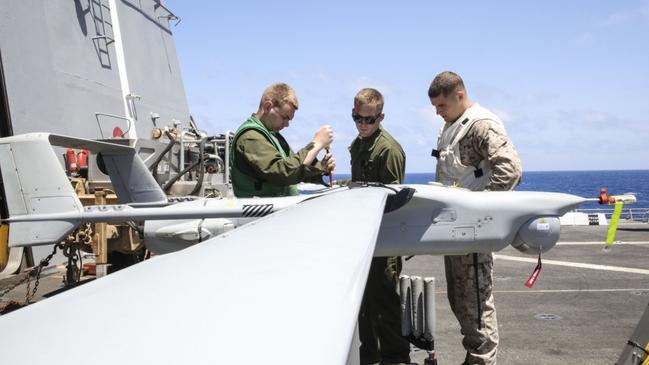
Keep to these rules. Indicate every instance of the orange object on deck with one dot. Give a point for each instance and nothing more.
(603, 197)
(4, 245)
(70, 160)
(82, 159)
(89, 268)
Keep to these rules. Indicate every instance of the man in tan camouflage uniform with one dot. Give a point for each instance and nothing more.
(473, 151)
(262, 162)
(378, 157)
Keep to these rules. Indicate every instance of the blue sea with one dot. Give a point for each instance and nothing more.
(582, 183)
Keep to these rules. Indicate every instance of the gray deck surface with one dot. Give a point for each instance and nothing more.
(598, 309)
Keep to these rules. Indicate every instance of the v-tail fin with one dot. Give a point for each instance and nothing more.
(131, 179)
(42, 205)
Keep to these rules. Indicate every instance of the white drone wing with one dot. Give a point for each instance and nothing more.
(277, 290)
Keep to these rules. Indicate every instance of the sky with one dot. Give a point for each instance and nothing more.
(569, 79)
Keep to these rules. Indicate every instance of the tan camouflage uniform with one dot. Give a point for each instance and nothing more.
(485, 140)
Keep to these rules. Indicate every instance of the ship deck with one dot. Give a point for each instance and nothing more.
(583, 308)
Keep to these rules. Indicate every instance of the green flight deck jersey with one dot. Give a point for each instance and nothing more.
(263, 164)
(378, 158)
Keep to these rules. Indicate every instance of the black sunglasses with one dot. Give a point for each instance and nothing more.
(364, 120)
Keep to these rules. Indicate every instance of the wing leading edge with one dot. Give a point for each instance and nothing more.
(283, 289)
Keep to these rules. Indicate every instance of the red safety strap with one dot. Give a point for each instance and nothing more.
(535, 274)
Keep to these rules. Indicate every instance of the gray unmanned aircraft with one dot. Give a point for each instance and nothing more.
(280, 283)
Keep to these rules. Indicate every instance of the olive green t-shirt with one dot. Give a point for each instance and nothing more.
(378, 158)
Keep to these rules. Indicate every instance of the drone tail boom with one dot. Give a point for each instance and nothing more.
(41, 205)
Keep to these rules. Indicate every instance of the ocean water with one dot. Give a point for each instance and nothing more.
(582, 183)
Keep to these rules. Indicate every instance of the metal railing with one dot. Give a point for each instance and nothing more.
(631, 214)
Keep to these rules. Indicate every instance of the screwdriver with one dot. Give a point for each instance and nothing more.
(331, 175)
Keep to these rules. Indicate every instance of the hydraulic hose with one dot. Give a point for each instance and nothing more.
(200, 162)
(156, 162)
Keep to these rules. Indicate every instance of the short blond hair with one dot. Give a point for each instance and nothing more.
(280, 94)
(369, 96)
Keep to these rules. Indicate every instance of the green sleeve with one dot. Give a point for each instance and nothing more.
(394, 162)
(262, 160)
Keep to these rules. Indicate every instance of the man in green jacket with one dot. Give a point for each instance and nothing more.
(263, 163)
(378, 157)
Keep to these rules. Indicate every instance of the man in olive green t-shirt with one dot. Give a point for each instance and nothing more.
(378, 157)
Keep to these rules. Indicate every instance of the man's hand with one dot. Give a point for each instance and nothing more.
(328, 162)
(323, 137)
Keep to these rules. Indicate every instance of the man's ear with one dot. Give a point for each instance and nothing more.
(461, 95)
(380, 118)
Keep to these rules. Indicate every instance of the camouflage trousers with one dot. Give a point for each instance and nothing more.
(379, 320)
(474, 306)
